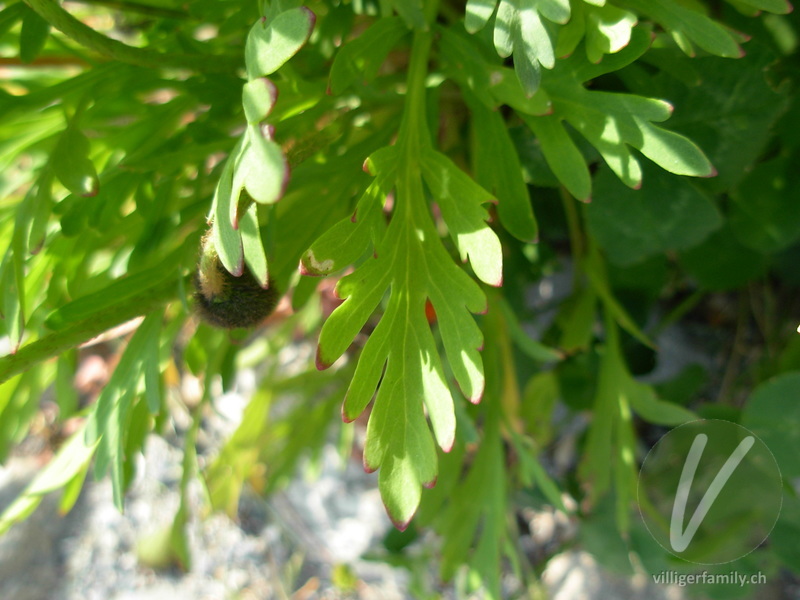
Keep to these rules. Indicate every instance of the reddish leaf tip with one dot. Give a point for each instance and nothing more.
(345, 417)
(95, 189)
(432, 483)
(399, 525)
(312, 18)
(369, 468)
(447, 447)
(477, 395)
(267, 131)
(320, 362)
(238, 271)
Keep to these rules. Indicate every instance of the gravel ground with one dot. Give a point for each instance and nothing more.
(288, 546)
(278, 547)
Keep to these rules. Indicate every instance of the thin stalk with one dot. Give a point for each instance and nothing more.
(413, 129)
(84, 35)
(680, 311)
(575, 235)
(78, 333)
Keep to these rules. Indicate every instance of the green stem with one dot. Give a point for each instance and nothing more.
(413, 129)
(575, 235)
(83, 331)
(677, 313)
(84, 35)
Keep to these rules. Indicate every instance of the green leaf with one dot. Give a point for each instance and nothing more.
(261, 168)
(108, 426)
(497, 168)
(411, 261)
(270, 45)
(460, 200)
(350, 238)
(634, 225)
(226, 237)
(43, 202)
(577, 67)
(599, 453)
(519, 30)
(257, 165)
(33, 35)
(238, 457)
(478, 14)
(116, 292)
(534, 349)
(475, 515)
(772, 413)
(253, 248)
(10, 15)
(406, 454)
(646, 404)
(66, 394)
(360, 58)
(562, 155)
(611, 122)
(731, 115)
(608, 31)
(721, 262)
(577, 318)
(533, 472)
(686, 26)
(539, 399)
(13, 282)
(258, 99)
(151, 366)
(71, 163)
(490, 82)
(765, 213)
(411, 12)
(780, 7)
(72, 490)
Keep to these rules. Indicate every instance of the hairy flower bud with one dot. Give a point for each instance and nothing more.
(227, 301)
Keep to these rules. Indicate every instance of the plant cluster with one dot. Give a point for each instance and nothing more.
(438, 162)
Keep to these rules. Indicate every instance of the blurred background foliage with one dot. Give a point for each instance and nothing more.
(112, 143)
